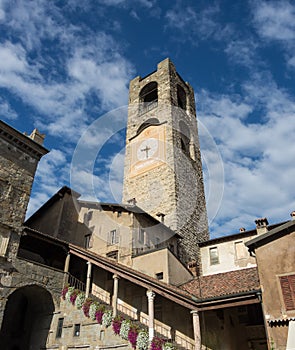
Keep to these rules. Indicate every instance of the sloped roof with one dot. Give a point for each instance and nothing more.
(223, 287)
(223, 284)
(271, 235)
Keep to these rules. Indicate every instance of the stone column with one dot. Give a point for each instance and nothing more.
(151, 296)
(115, 294)
(88, 279)
(197, 330)
(66, 268)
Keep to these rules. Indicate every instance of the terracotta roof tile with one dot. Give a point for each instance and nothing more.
(222, 284)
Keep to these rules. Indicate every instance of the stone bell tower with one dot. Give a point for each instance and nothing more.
(19, 157)
(163, 169)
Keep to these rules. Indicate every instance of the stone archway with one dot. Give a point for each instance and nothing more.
(27, 318)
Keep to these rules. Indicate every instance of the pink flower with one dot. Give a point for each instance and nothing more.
(98, 316)
(132, 336)
(116, 324)
(157, 343)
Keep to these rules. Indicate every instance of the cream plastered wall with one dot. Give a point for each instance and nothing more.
(233, 255)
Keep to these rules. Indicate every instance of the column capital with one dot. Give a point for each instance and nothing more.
(150, 294)
(195, 312)
(88, 263)
(116, 277)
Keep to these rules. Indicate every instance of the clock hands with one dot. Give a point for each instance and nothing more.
(146, 150)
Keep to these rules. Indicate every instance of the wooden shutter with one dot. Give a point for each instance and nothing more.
(288, 291)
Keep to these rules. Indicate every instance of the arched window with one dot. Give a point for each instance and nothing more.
(148, 97)
(149, 93)
(184, 137)
(181, 97)
(147, 123)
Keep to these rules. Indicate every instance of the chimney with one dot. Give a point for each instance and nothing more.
(37, 136)
(132, 201)
(192, 266)
(161, 216)
(292, 215)
(242, 229)
(261, 225)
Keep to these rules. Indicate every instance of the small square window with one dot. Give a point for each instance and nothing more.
(77, 330)
(214, 257)
(159, 275)
(113, 255)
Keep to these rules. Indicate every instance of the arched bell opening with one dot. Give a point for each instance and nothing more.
(184, 137)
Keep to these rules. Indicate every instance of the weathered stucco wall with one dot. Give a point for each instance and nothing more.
(275, 259)
(229, 258)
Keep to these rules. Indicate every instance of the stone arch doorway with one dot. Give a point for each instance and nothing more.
(27, 318)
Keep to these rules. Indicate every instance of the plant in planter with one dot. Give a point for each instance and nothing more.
(157, 343)
(69, 293)
(168, 346)
(116, 324)
(99, 313)
(64, 291)
(142, 340)
(124, 330)
(107, 318)
(74, 296)
(92, 310)
(133, 335)
(86, 306)
(80, 300)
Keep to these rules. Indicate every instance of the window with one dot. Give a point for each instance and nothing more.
(141, 235)
(214, 258)
(113, 237)
(77, 330)
(149, 97)
(149, 93)
(288, 291)
(159, 275)
(59, 327)
(88, 217)
(3, 244)
(181, 97)
(240, 250)
(87, 241)
(184, 137)
(113, 255)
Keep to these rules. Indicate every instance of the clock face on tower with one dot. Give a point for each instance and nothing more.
(147, 148)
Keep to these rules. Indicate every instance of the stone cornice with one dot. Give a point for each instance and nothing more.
(21, 141)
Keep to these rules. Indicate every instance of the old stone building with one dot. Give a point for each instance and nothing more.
(146, 264)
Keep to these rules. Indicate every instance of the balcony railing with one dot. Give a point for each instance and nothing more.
(147, 106)
(184, 341)
(75, 282)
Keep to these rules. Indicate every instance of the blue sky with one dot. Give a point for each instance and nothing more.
(63, 64)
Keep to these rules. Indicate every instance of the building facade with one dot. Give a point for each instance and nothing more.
(76, 271)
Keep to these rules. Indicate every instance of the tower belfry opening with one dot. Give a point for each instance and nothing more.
(163, 169)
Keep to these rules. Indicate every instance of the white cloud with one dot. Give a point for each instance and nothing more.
(6, 110)
(275, 20)
(90, 66)
(12, 58)
(257, 157)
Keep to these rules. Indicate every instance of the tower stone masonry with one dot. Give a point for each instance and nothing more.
(163, 168)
